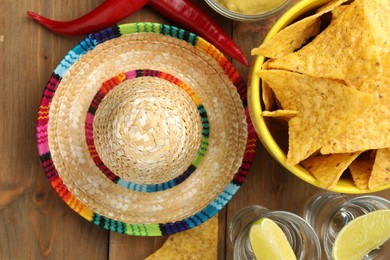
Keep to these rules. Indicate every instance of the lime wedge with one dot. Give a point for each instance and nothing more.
(268, 241)
(362, 235)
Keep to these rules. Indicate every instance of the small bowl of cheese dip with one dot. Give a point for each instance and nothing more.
(248, 10)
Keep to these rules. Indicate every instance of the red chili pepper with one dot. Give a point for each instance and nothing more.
(188, 15)
(183, 12)
(103, 16)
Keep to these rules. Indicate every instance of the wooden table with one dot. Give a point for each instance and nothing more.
(34, 222)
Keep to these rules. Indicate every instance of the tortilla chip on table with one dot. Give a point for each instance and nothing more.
(200, 243)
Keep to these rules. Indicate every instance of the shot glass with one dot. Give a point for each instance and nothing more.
(329, 212)
(299, 233)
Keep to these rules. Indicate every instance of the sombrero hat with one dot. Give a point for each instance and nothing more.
(143, 129)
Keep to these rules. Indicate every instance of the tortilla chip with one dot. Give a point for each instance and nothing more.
(267, 94)
(295, 35)
(373, 125)
(361, 170)
(380, 175)
(330, 7)
(345, 50)
(379, 11)
(265, 64)
(200, 243)
(281, 114)
(337, 11)
(325, 108)
(328, 168)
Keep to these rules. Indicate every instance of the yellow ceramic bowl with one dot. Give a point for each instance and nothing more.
(255, 109)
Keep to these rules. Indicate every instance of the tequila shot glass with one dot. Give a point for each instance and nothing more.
(329, 212)
(299, 233)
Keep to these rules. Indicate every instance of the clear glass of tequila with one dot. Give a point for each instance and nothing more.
(329, 212)
(299, 233)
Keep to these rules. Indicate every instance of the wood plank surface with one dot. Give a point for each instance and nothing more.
(34, 222)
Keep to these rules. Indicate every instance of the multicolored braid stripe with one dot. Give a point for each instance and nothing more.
(110, 84)
(43, 144)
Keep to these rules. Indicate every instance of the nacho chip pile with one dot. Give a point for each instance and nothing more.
(328, 74)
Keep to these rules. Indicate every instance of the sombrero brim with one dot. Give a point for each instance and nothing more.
(123, 58)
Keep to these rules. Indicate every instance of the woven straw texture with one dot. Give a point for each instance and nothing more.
(142, 129)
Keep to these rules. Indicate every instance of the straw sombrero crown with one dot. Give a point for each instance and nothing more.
(142, 129)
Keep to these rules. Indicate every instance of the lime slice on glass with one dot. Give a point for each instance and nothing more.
(268, 241)
(362, 235)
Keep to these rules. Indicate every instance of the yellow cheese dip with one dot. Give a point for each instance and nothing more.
(251, 6)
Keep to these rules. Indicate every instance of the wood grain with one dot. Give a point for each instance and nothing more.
(34, 222)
